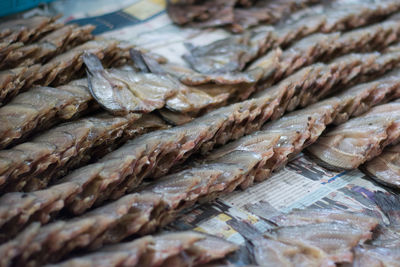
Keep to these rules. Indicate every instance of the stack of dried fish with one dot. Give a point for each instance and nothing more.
(119, 90)
(383, 250)
(49, 211)
(41, 107)
(62, 68)
(313, 238)
(15, 33)
(359, 140)
(386, 167)
(155, 153)
(237, 14)
(240, 163)
(172, 249)
(48, 46)
(233, 53)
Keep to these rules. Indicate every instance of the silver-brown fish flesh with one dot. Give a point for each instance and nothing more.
(310, 216)
(386, 167)
(169, 249)
(319, 244)
(358, 140)
(373, 256)
(121, 92)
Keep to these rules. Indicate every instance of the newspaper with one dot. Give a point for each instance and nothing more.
(301, 184)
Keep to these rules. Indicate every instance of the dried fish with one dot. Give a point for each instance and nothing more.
(312, 216)
(233, 53)
(170, 249)
(235, 14)
(48, 46)
(62, 68)
(204, 14)
(27, 30)
(121, 92)
(153, 154)
(385, 168)
(10, 81)
(50, 154)
(158, 203)
(314, 244)
(267, 70)
(373, 256)
(266, 12)
(240, 163)
(358, 140)
(41, 107)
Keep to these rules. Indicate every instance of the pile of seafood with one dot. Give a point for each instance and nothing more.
(104, 144)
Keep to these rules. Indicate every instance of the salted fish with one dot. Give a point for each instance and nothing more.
(61, 68)
(169, 249)
(158, 203)
(41, 107)
(237, 15)
(48, 46)
(314, 244)
(385, 168)
(239, 50)
(373, 256)
(27, 30)
(154, 154)
(124, 91)
(358, 140)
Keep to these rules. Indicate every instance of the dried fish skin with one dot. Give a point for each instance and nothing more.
(26, 30)
(233, 53)
(230, 54)
(368, 255)
(10, 81)
(64, 67)
(122, 92)
(39, 108)
(204, 14)
(360, 139)
(319, 244)
(312, 216)
(49, 45)
(385, 168)
(236, 15)
(163, 249)
(59, 149)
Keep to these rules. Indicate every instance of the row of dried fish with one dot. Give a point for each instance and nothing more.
(154, 154)
(386, 167)
(17, 123)
(51, 44)
(359, 140)
(313, 237)
(171, 249)
(53, 153)
(62, 68)
(20, 31)
(232, 13)
(251, 158)
(234, 53)
(40, 108)
(381, 250)
(124, 91)
(274, 68)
